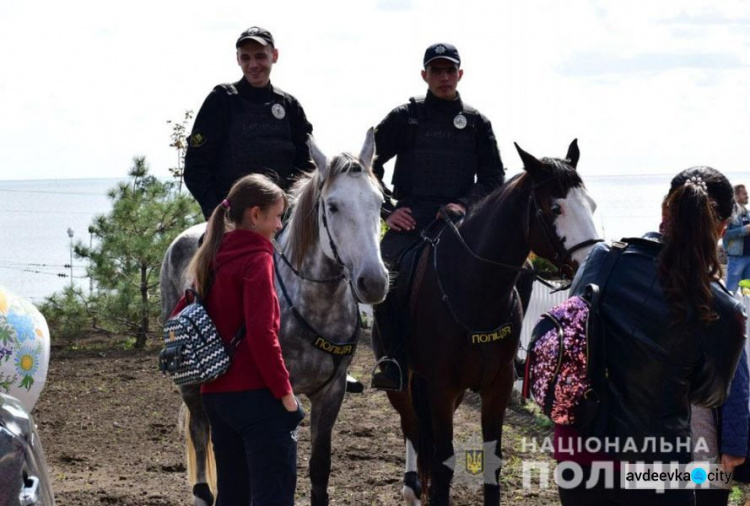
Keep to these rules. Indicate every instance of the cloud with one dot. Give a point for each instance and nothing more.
(600, 64)
(702, 21)
(394, 5)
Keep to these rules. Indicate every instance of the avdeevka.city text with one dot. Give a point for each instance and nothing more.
(632, 475)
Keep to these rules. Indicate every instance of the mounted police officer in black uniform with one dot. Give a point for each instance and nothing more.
(248, 127)
(446, 156)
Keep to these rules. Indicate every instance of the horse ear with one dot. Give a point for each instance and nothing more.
(573, 153)
(320, 160)
(367, 155)
(530, 163)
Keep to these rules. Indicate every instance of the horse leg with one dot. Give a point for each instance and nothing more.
(442, 406)
(199, 454)
(494, 401)
(412, 489)
(325, 406)
(434, 408)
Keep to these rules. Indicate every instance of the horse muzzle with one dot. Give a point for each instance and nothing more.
(371, 284)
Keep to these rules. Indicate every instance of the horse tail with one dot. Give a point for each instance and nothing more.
(191, 457)
(426, 441)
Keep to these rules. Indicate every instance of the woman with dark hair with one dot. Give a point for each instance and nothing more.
(251, 408)
(672, 336)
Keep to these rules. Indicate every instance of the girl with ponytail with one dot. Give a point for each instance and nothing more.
(251, 408)
(672, 335)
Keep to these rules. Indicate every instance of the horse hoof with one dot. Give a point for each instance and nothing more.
(318, 498)
(412, 490)
(410, 498)
(203, 495)
(354, 386)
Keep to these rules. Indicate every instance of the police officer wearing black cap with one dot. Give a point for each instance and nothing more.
(247, 127)
(446, 155)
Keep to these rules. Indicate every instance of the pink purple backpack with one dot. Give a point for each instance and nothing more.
(565, 363)
(557, 361)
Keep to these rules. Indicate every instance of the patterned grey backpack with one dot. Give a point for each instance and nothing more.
(193, 351)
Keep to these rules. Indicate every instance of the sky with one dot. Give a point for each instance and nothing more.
(646, 86)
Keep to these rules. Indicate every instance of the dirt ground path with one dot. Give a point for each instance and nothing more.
(108, 422)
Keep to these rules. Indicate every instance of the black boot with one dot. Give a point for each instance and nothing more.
(353, 385)
(391, 376)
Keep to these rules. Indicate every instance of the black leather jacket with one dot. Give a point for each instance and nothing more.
(655, 372)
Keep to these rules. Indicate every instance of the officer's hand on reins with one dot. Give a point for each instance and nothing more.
(453, 209)
(401, 220)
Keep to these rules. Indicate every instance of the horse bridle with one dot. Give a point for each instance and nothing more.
(559, 248)
(336, 279)
(331, 244)
(561, 254)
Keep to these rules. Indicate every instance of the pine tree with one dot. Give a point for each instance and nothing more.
(179, 143)
(146, 216)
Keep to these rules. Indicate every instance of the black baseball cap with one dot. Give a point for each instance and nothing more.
(442, 50)
(258, 34)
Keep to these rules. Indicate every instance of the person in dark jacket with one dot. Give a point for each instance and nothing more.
(724, 435)
(673, 336)
(737, 241)
(446, 155)
(247, 127)
(251, 408)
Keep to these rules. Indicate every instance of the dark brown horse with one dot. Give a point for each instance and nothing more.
(465, 316)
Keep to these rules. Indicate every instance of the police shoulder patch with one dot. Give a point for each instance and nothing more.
(197, 139)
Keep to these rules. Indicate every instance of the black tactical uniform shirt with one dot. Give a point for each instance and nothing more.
(446, 152)
(243, 130)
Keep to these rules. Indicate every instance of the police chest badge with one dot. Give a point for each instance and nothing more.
(197, 139)
(278, 111)
(460, 121)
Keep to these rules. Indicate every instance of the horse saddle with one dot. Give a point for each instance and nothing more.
(406, 267)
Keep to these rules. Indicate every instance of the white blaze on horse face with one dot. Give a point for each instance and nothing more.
(353, 212)
(576, 222)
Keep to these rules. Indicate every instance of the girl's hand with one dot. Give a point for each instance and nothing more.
(290, 403)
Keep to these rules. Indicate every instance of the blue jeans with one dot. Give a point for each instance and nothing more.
(255, 445)
(738, 268)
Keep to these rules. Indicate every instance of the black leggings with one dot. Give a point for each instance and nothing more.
(255, 446)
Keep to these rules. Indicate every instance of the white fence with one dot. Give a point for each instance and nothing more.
(541, 302)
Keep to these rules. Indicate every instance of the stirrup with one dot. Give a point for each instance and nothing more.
(384, 360)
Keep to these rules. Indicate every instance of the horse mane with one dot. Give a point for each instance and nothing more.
(303, 223)
(560, 169)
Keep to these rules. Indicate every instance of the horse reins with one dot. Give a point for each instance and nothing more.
(560, 252)
(336, 279)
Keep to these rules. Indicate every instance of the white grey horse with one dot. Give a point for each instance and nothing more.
(329, 259)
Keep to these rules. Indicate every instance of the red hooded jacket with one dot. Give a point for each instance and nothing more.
(243, 291)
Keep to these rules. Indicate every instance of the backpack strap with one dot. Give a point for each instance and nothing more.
(192, 293)
(597, 339)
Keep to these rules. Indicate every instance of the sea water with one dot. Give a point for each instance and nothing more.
(35, 217)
